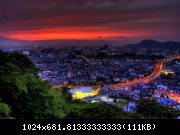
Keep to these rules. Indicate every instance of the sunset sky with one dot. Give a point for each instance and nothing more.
(90, 19)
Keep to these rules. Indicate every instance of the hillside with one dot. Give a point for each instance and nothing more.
(150, 44)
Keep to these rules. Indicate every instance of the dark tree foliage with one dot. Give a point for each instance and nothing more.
(5, 111)
(26, 94)
(150, 109)
(98, 111)
(23, 62)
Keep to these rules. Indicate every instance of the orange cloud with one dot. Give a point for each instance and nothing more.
(68, 33)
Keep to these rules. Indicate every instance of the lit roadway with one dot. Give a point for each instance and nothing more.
(155, 73)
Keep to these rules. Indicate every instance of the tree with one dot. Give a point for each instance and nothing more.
(23, 62)
(151, 109)
(5, 111)
(40, 101)
(97, 111)
(25, 93)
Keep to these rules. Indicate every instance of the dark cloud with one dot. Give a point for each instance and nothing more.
(30, 9)
(112, 15)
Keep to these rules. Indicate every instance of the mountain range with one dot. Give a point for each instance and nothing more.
(150, 44)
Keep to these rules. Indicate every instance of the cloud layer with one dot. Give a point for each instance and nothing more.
(89, 19)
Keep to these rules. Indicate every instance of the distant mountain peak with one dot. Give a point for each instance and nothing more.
(149, 44)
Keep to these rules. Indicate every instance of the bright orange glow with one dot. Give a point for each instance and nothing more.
(77, 33)
(61, 28)
(49, 36)
(64, 35)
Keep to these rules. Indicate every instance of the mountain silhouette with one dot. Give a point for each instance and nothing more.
(150, 44)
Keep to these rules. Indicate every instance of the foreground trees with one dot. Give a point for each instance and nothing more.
(24, 92)
(5, 111)
(150, 109)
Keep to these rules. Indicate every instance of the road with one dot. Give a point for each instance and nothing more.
(155, 73)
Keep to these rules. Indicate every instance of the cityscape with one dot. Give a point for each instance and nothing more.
(108, 75)
(92, 59)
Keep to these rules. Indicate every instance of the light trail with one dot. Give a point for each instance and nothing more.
(155, 73)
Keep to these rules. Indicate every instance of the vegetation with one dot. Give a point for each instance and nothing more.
(5, 111)
(98, 111)
(24, 92)
(24, 95)
(150, 109)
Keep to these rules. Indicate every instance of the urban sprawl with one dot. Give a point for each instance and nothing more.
(113, 75)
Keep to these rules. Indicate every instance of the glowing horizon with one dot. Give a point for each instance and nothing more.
(90, 19)
(67, 34)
